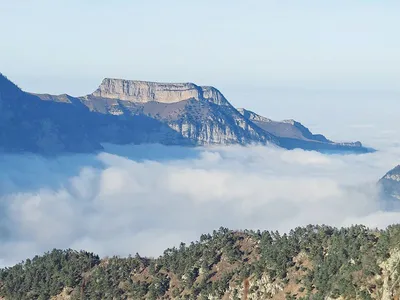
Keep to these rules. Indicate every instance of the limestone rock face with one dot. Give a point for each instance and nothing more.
(143, 91)
(390, 275)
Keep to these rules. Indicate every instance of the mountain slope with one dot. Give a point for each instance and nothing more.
(29, 124)
(390, 184)
(292, 134)
(313, 262)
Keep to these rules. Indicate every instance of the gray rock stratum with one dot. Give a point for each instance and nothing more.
(126, 111)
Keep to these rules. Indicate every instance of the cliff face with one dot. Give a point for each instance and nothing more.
(200, 114)
(143, 92)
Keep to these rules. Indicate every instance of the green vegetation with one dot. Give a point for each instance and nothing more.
(312, 262)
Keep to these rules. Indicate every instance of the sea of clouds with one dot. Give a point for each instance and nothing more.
(147, 198)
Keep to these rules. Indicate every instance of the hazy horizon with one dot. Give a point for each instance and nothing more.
(308, 44)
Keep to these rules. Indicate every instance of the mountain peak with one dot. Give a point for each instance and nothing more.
(8, 88)
(147, 91)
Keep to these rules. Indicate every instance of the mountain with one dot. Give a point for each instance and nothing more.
(293, 134)
(200, 114)
(390, 184)
(50, 124)
(135, 112)
(29, 124)
(313, 262)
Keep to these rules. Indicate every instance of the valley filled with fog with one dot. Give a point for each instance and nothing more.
(147, 198)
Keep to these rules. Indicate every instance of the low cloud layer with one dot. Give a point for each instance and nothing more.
(147, 198)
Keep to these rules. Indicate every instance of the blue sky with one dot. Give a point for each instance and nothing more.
(245, 48)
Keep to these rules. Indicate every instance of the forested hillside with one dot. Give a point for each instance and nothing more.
(313, 262)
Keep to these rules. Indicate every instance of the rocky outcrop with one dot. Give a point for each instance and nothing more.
(199, 114)
(29, 124)
(143, 92)
(254, 289)
(390, 275)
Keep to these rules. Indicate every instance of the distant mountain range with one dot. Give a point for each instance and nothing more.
(136, 112)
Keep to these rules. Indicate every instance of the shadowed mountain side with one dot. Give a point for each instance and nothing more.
(107, 128)
(146, 91)
(53, 124)
(29, 124)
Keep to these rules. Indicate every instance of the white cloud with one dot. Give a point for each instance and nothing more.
(147, 198)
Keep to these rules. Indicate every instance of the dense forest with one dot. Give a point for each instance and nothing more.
(313, 262)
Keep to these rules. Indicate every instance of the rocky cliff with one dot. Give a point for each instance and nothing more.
(144, 91)
(200, 114)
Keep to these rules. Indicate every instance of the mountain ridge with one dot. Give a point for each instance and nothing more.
(293, 134)
(313, 262)
(134, 112)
